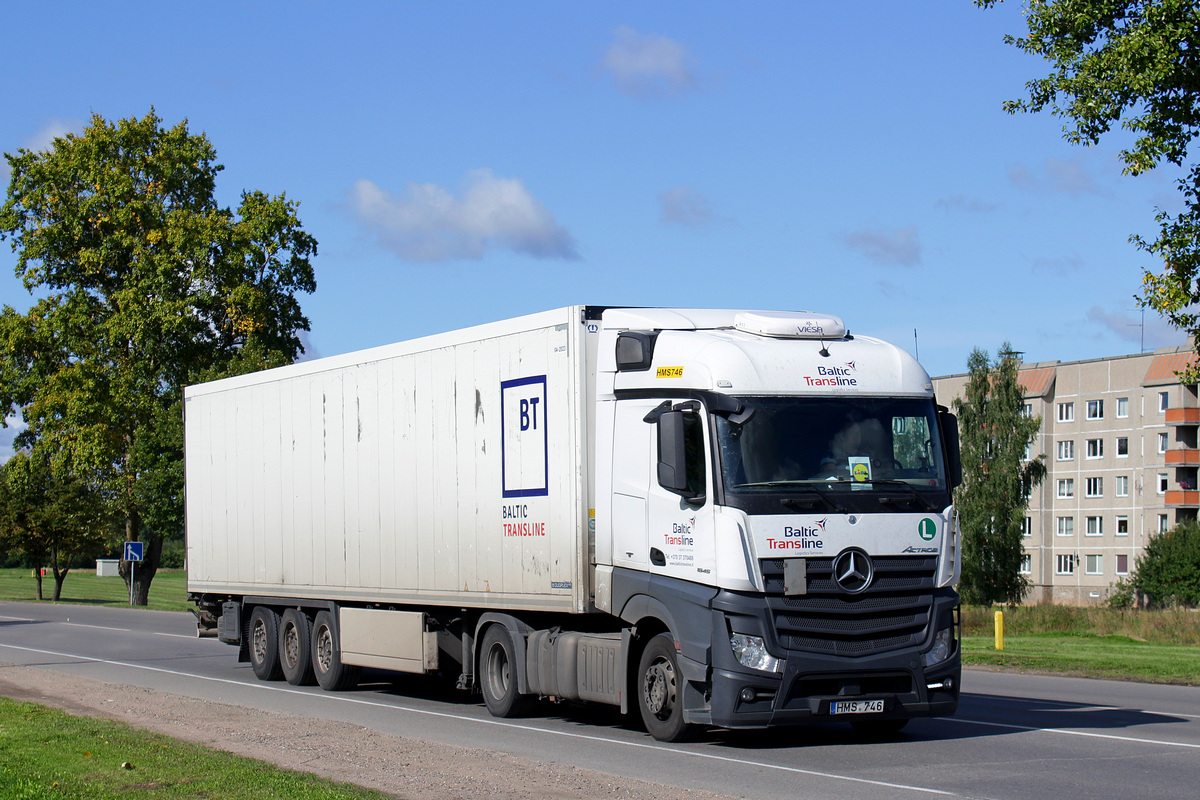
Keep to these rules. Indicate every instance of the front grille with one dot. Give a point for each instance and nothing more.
(892, 613)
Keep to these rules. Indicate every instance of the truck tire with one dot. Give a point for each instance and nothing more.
(660, 691)
(295, 648)
(264, 644)
(498, 674)
(327, 666)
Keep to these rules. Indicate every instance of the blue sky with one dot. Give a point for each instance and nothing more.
(465, 162)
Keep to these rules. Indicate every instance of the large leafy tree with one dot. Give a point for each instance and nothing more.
(1133, 64)
(995, 435)
(142, 284)
(51, 514)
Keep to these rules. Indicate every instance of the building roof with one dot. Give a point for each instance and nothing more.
(1164, 367)
(1036, 382)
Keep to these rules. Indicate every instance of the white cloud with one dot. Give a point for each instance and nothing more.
(1066, 265)
(42, 139)
(961, 202)
(685, 206)
(1149, 331)
(429, 223)
(1056, 176)
(15, 426)
(647, 65)
(898, 246)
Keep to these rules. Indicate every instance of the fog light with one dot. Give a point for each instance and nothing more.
(748, 695)
(751, 651)
(941, 648)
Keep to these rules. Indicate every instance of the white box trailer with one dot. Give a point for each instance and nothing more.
(618, 505)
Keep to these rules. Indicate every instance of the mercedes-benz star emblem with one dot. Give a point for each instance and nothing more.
(853, 571)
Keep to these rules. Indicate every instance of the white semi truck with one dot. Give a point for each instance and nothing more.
(719, 518)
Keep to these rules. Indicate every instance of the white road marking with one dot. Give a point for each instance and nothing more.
(497, 722)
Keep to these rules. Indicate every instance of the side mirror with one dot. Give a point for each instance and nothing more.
(672, 447)
(949, 425)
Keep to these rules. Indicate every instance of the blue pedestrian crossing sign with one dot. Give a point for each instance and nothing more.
(133, 551)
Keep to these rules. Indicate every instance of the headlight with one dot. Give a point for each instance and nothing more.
(943, 643)
(751, 651)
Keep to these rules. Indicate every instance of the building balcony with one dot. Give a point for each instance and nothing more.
(1183, 458)
(1182, 498)
(1183, 416)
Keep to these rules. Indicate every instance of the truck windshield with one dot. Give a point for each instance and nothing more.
(845, 454)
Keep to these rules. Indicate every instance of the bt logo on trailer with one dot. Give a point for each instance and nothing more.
(524, 455)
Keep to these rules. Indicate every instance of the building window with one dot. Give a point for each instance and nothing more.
(1095, 448)
(1122, 487)
(1066, 412)
(1122, 446)
(1065, 564)
(1027, 410)
(1122, 526)
(1163, 482)
(1066, 487)
(1094, 526)
(1094, 487)
(1095, 409)
(1066, 450)
(1162, 523)
(1093, 564)
(1066, 526)
(1162, 443)
(1122, 564)
(1122, 407)
(1163, 401)
(1026, 567)
(1027, 526)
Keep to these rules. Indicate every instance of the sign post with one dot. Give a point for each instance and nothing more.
(133, 554)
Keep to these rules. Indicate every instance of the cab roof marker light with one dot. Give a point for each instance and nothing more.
(790, 324)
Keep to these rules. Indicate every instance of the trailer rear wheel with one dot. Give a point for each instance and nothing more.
(327, 666)
(660, 691)
(295, 648)
(264, 644)
(498, 674)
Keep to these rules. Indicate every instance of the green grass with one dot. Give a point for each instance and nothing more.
(1127, 644)
(1115, 657)
(46, 754)
(168, 591)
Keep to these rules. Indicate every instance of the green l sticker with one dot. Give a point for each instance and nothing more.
(927, 528)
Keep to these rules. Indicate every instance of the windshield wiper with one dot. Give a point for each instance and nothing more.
(834, 504)
(916, 495)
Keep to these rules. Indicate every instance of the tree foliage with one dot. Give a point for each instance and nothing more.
(50, 514)
(1136, 64)
(997, 479)
(143, 284)
(1167, 572)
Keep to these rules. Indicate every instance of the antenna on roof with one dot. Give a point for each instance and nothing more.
(916, 346)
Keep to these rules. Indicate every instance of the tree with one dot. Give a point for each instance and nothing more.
(1168, 570)
(1136, 63)
(50, 514)
(145, 285)
(995, 435)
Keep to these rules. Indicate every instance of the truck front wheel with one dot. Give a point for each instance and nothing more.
(264, 644)
(498, 674)
(327, 666)
(660, 691)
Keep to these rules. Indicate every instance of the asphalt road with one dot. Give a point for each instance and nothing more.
(1015, 736)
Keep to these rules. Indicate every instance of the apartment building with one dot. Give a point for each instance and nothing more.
(1120, 439)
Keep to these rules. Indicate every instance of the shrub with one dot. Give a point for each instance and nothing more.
(1168, 571)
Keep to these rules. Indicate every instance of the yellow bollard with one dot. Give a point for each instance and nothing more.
(999, 630)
